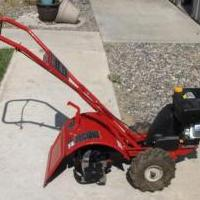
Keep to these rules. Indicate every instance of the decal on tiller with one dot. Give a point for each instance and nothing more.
(83, 137)
(55, 62)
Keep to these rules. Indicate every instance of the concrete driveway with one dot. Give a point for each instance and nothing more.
(144, 21)
(23, 152)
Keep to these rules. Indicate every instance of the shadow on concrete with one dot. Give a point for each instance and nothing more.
(59, 117)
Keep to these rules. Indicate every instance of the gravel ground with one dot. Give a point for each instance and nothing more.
(28, 15)
(15, 9)
(144, 75)
(86, 13)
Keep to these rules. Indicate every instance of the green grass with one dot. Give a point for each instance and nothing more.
(5, 56)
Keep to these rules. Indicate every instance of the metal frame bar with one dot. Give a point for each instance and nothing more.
(122, 131)
(128, 138)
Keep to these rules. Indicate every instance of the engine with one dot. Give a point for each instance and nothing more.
(193, 132)
(177, 123)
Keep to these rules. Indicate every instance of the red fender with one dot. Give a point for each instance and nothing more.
(83, 130)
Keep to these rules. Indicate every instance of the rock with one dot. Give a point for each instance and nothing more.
(148, 73)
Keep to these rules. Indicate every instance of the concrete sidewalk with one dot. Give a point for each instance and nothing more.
(144, 21)
(23, 152)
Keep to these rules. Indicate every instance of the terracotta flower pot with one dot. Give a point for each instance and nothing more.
(67, 13)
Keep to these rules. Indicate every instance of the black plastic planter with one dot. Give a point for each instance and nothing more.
(47, 13)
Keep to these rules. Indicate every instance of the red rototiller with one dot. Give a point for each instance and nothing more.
(94, 141)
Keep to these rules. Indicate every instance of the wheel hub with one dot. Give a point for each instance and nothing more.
(153, 173)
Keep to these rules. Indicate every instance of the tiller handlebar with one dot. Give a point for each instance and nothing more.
(53, 65)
